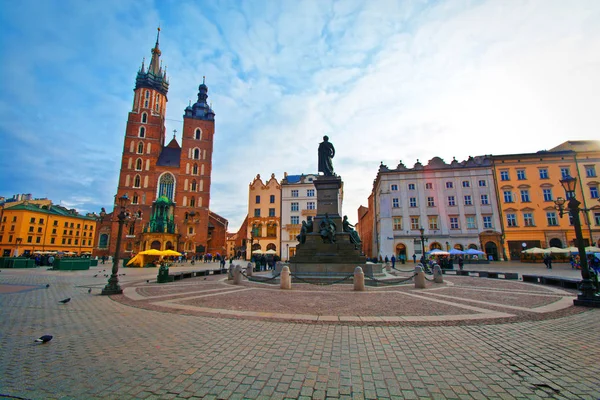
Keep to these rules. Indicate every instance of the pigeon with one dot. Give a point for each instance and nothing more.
(90, 290)
(47, 285)
(147, 280)
(65, 301)
(44, 339)
(95, 275)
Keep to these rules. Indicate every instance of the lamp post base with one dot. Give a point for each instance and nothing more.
(587, 301)
(112, 287)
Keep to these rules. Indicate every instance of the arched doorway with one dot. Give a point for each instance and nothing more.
(271, 246)
(401, 252)
(459, 247)
(556, 243)
(473, 246)
(492, 250)
(435, 245)
(155, 245)
(168, 246)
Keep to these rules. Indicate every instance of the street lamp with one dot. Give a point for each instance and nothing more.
(423, 239)
(18, 241)
(251, 244)
(112, 287)
(589, 295)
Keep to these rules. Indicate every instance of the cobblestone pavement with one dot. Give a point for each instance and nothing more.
(130, 347)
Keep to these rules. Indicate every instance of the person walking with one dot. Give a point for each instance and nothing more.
(461, 262)
(393, 261)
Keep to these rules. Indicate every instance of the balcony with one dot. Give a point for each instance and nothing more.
(312, 213)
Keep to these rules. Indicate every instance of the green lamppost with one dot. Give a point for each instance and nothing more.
(112, 287)
(588, 286)
(423, 239)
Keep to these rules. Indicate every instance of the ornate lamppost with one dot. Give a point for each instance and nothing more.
(251, 239)
(112, 287)
(423, 240)
(588, 286)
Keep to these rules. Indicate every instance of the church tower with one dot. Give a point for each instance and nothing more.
(168, 185)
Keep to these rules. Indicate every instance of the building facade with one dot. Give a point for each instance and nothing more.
(262, 235)
(26, 228)
(298, 204)
(168, 183)
(527, 186)
(454, 203)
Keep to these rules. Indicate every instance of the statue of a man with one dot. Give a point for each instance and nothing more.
(348, 227)
(326, 153)
(327, 229)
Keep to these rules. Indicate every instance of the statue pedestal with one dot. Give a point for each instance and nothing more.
(316, 259)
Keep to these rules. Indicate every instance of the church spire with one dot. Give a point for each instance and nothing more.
(154, 67)
(154, 77)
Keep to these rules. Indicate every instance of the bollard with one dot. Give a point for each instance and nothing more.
(285, 279)
(388, 267)
(437, 274)
(237, 275)
(359, 279)
(230, 271)
(249, 269)
(420, 278)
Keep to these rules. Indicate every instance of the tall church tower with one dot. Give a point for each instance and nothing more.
(168, 184)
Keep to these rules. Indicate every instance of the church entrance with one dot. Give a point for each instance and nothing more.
(491, 250)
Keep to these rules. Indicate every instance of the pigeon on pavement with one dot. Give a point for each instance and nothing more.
(65, 301)
(44, 339)
(90, 290)
(47, 285)
(95, 275)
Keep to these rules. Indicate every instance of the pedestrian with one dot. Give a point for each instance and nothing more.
(546, 260)
(387, 260)
(414, 258)
(461, 262)
(51, 260)
(393, 261)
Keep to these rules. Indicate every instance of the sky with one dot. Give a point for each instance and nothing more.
(387, 81)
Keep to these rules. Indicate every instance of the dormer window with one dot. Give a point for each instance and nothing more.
(198, 134)
(144, 118)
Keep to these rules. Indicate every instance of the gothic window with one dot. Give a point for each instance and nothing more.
(193, 202)
(135, 199)
(147, 94)
(140, 148)
(131, 229)
(193, 186)
(198, 134)
(139, 214)
(138, 164)
(195, 169)
(166, 186)
(137, 181)
(103, 242)
(196, 155)
(144, 118)
(142, 132)
(146, 103)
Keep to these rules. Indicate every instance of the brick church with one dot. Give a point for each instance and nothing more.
(167, 183)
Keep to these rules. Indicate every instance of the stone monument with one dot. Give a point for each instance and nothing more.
(328, 247)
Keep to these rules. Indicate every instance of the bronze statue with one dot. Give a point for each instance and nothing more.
(309, 225)
(326, 153)
(327, 229)
(302, 236)
(347, 227)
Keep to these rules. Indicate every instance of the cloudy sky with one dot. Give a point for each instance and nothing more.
(386, 80)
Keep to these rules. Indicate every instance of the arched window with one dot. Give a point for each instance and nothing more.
(198, 134)
(196, 155)
(142, 131)
(138, 164)
(146, 103)
(140, 149)
(135, 199)
(144, 118)
(166, 186)
(137, 181)
(131, 229)
(193, 186)
(147, 94)
(103, 242)
(195, 169)
(139, 214)
(193, 202)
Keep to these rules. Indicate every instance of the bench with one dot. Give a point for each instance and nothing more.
(177, 276)
(567, 283)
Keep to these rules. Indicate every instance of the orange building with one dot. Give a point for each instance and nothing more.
(264, 216)
(527, 186)
(27, 228)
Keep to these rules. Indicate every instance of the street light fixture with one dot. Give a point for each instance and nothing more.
(112, 287)
(423, 239)
(588, 286)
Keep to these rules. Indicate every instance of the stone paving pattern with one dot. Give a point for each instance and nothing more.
(119, 348)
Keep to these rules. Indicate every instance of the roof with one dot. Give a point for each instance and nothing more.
(578, 145)
(50, 210)
(170, 156)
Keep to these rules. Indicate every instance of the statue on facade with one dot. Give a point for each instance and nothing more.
(348, 227)
(326, 153)
(327, 229)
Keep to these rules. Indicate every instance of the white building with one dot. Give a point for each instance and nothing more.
(454, 203)
(298, 203)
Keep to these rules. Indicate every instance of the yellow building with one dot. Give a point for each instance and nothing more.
(527, 186)
(26, 228)
(264, 216)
